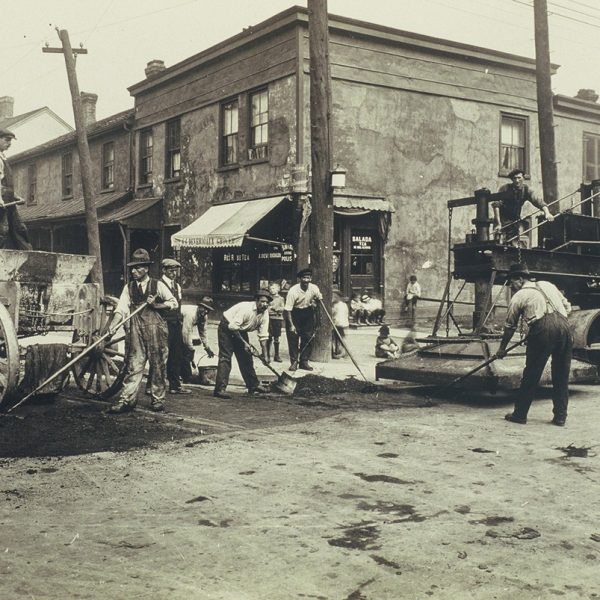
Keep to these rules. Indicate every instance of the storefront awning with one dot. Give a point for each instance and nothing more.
(133, 210)
(225, 225)
(362, 203)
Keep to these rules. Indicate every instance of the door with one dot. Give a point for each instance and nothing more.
(365, 252)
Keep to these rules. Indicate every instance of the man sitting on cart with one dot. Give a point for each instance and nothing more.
(148, 334)
(13, 233)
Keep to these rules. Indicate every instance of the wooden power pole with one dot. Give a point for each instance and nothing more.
(85, 161)
(321, 219)
(545, 106)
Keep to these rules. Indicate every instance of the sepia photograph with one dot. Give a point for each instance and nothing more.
(300, 300)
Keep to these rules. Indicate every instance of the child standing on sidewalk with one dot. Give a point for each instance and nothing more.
(413, 293)
(340, 317)
(385, 347)
(275, 321)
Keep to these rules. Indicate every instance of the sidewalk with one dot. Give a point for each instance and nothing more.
(360, 341)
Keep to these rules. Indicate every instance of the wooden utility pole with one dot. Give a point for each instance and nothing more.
(85, 162)
(321, 219)
(545, 106)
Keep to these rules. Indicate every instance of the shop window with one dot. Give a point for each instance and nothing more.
(235, 273)
(32, 183)
(362, 252)
(275, 265)
(173, 150)
(259, 125)
(108, 166)
(146, 149)
(513, 143)
(67, 175)
(229, 125)
(591, 157)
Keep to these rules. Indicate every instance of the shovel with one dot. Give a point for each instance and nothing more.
(285, 383)
(485, 363)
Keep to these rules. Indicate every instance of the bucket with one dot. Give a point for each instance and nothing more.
(207, 371)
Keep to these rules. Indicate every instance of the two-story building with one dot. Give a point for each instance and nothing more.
(48, 178)
(416, 121)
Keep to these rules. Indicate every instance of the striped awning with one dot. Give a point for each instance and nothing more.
(225, 225)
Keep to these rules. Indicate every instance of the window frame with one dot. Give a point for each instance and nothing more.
(258, 151)
(108, 166)
(224, 137)
(67, 175)
(596, 138)
(31, 183)
(146, 157)
(172, 149)
(524, 119)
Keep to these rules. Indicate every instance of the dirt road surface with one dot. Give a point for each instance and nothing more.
(345, 496)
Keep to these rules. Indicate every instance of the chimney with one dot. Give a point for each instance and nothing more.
(587, 94)
(88, 104)
(154, 68)
(7, 104)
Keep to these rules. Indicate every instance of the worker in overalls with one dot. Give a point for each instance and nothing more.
(544, 309)
(148, 334)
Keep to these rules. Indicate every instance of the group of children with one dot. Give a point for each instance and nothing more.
(364, 310)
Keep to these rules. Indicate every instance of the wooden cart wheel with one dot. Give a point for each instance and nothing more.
(9, 356)
(101, 372)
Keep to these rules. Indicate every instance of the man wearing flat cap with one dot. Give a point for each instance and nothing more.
(13, 233)
(507, 212)
(148, 333)
(237, 322)
(174, 319)
(544, 310)
(300, 319)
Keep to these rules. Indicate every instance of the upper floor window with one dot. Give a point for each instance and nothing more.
(173, 149)
(229, 142)
(513, 143)
(108, 166)
(146, 148)
(591, 157)
(259, 124)
(67, 175)
(32, 183)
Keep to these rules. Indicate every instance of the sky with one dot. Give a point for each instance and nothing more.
(121, 36)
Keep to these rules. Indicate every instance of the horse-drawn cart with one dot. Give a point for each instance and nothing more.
(48, 316)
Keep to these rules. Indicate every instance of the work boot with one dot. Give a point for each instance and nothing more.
(179, 390)
(120, 408)
(221, 394)
(515, 418)
(268, 357)
(276, 358)
(259, 389)
(559, 421)
(306, 367)
(293, 367)
(157, 406)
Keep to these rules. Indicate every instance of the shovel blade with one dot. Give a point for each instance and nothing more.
(285, 384)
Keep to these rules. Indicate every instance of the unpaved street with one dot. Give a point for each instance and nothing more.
(369, 497)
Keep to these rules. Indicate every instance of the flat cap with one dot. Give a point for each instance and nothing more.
(303, 272)
(169, 262)
(7, 133)
(264, 294)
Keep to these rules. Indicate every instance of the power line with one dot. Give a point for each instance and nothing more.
(579, 12)
(585, 5)
(555, 14)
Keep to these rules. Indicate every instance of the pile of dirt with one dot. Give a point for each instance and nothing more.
(315, 385)
(60, 428)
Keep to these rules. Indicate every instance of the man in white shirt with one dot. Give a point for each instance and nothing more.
(148, 333)
(195, 317)
(544, 310)
(232, 334)
(170, 270)
(299, 317)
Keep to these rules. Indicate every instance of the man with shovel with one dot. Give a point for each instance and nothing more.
(544, 309)
(148, 336)
(232, 334)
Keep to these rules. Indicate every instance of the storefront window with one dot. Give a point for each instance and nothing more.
(362, 253)
(235, 274)
(275, 265)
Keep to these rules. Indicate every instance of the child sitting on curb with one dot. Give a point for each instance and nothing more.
(385, 347)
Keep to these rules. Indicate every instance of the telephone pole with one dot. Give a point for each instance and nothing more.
(85, 161)
(321, 219)
(545, 106)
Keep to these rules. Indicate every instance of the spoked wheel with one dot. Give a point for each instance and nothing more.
(100, 372)
(9, 357)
